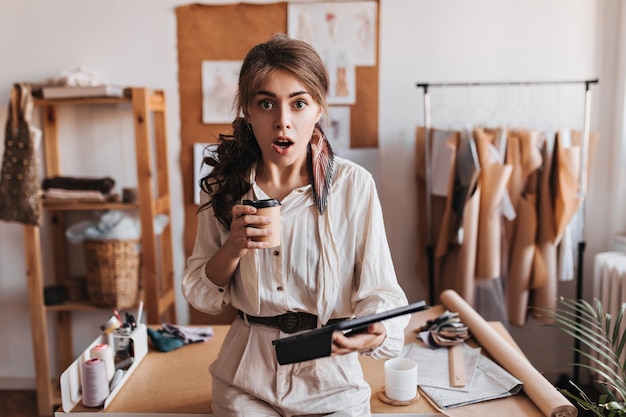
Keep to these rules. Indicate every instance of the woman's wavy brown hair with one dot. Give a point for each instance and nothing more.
(236, 154)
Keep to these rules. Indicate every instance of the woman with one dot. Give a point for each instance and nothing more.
(333, 261)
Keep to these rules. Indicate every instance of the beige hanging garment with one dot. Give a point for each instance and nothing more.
(493, 179)
(442, 147)
(523, 153)
(456, 268)
(525, 158)
(521, 265)
(539, 276)
(545, 268)
(445, 145)
(459, 266)
(566, 179)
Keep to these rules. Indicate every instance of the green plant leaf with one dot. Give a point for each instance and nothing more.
(604, 339)
(583, 401)
(619, 340)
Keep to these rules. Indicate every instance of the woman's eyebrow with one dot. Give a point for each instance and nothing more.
(298, 93)
(270, 94)
(265, 93)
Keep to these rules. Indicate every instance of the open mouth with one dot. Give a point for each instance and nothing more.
(282, 144)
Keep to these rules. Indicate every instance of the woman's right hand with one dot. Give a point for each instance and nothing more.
(243, 230)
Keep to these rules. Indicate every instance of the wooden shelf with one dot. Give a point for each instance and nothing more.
(157, 271)
(74, 306)
(82, 205)
(78, 101)
(81, 101)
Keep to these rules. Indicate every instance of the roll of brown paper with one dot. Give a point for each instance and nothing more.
(538, 389)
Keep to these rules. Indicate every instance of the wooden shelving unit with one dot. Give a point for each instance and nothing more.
(157, 272)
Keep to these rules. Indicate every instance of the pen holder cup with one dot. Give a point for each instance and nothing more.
(128, 345)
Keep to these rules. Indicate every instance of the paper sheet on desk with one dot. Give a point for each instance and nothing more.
(433, 366)
(490, 382)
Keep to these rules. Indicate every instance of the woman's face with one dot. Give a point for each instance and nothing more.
(283, 115)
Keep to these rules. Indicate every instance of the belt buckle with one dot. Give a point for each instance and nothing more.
(290, 322)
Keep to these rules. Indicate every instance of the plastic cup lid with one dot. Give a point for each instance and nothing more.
(270, 202)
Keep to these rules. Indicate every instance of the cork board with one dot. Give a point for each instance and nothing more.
(227, 32)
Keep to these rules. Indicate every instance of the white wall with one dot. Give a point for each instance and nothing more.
(452, 41)
(134, 43)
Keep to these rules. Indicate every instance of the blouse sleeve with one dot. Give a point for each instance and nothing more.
(377, 285)
(197, 288)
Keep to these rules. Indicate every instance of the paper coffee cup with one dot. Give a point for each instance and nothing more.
(269, 208)
(401, 379)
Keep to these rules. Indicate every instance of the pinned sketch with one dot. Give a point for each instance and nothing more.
(327, 25)
(219, 88)
(337, 127)
(342, 76)
(200, 150)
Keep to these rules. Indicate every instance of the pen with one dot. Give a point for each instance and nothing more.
(139, 312)
(117, 315)
(130, 320)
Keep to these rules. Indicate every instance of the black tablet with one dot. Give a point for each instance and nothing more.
(317, 343)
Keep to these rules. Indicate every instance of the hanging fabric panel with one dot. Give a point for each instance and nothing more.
(497, 194)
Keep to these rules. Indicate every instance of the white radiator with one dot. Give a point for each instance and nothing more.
(619, 243)
(610, 283)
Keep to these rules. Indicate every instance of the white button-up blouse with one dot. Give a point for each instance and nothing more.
(335, 264)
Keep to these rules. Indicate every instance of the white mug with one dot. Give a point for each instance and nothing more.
(400, 379)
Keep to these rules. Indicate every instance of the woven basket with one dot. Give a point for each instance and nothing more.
(112, 272)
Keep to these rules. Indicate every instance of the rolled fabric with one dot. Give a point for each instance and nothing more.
(538, 389)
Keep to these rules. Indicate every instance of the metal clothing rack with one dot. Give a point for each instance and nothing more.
(581, 189)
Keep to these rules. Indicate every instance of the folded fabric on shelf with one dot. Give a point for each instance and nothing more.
(85, 195)
(104, 184)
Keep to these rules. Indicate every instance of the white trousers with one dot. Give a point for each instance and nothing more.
(248, 381)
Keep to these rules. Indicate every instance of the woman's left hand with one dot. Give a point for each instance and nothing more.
(370, 339)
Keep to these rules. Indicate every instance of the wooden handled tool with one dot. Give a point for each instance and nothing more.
(457, 368)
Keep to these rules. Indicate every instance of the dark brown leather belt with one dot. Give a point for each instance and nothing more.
(290, 322)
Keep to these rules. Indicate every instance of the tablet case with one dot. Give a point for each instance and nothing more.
(317, 343)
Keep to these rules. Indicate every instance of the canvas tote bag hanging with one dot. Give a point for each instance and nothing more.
(19, 181)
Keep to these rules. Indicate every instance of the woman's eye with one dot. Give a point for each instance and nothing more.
(300, 104)
(266, 104)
